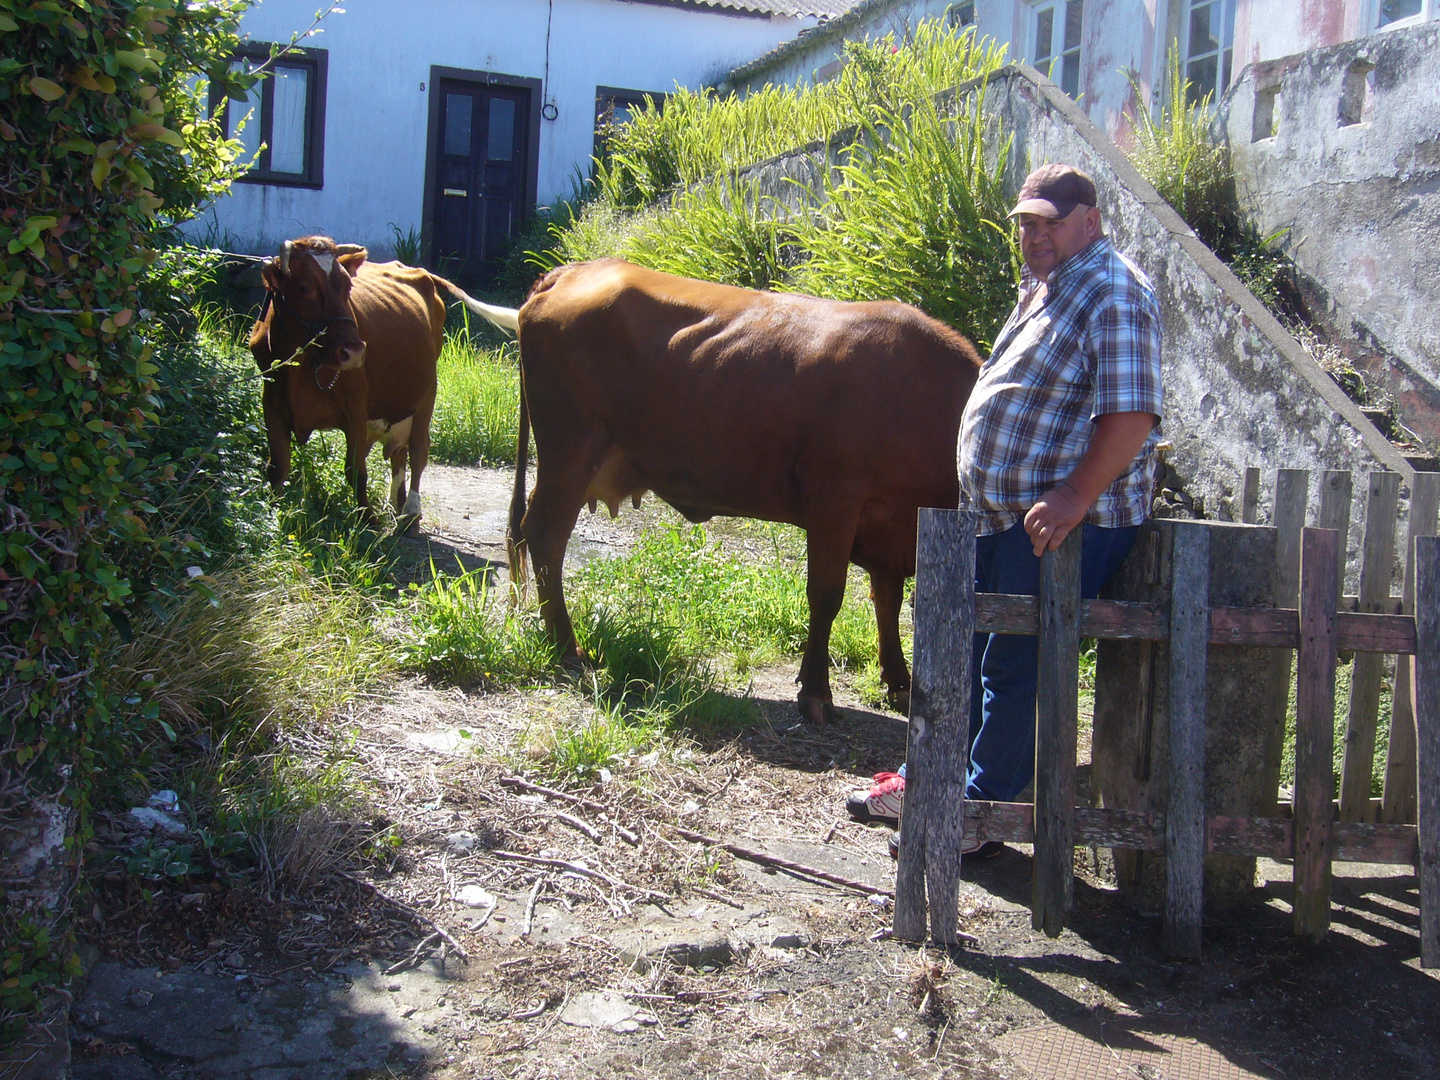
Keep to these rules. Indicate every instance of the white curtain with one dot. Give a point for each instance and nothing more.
(287, 125)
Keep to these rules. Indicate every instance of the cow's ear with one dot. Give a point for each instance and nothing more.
(352, 260)
(270, 274)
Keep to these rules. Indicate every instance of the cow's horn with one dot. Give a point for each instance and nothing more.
(348, 249)
(285, 257)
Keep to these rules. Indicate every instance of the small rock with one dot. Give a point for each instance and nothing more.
(476, 897)
(393, 987)
(138, 998)
(166, 801)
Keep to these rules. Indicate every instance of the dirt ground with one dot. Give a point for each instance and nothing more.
(601, 938)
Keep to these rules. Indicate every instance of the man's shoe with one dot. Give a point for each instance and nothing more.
(881, 802)
(970, 848)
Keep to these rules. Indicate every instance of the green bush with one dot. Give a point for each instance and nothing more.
(106, 146)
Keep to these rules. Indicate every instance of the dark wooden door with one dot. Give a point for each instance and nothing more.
(481, 160)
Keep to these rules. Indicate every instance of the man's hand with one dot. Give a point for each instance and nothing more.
(1118, 438)
(1052, 518)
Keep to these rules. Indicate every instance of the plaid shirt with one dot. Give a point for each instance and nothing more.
(1091, 348)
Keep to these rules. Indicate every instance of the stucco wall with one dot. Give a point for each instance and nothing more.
(380, 56)
(1239, 390)
(1361, 200)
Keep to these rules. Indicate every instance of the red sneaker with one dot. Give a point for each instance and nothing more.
(882, 802)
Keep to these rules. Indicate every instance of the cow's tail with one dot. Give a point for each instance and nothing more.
(503, 317)
(515, 533)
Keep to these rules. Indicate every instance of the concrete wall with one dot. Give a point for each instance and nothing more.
(380, 56)
(1239, 390)
(1361, 200)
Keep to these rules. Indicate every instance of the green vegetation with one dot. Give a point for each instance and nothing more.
(106, 147)
(1191, 170)
(477, 408)
(913, 212)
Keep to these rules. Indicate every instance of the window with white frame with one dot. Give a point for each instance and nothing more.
(283, 116)
(1396, 13)
(1208, 47)
(1055, 41)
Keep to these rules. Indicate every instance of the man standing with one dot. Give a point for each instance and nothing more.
(1059, 432)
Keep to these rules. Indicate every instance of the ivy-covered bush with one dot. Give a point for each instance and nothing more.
(104, 146)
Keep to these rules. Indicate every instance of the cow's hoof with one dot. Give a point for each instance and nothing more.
(815, 711)
(899, 701)
(408, 526)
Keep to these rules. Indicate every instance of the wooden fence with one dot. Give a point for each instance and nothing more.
(1313, 618)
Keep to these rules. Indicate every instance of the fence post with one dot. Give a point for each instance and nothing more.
(1368, 668)
(1185, 815)
(1315, 732)
(1399, 801)
(939, 736)
(1427, 744)
(1057, 708)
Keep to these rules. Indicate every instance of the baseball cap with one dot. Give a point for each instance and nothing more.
(1054, 190)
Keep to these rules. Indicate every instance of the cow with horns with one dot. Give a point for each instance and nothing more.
(352, 345)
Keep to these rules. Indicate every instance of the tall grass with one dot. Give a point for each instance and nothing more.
(699, 134)
(477, 406)
(916, 216)
(718, 232)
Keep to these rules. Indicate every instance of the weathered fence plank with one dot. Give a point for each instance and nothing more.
(1292, 492)
(1336, 494)
(1399, 798)
(929, 858)
(1369, 668)
(1057, 711)
(1315, 731)
(1250, 500)
(1427, 743)
(1185, 817)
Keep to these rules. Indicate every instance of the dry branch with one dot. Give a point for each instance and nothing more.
(783, 864)
(582, 870)
(589, 804)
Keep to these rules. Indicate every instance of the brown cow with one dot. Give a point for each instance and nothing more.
(348, 344)
(839, 418)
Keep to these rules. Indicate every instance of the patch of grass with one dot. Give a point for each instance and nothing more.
(718, 232)
(477, 407)
(714, 601)
(462, 631)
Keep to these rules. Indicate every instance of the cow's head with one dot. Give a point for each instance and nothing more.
(312, 324)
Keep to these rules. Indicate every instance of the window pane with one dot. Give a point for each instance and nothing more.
(457, 124)
(1044, 33)
(1074, 12)
(619, 114)
(287, 126)
(500, 146)
(1229, 38)
(245, 111)
(1225, 72)
(1070, 74)
(1394, 10)
(1204, 33)
(1201, 74)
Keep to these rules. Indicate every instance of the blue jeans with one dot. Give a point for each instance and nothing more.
(1003, 667)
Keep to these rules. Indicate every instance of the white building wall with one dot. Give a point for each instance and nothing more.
(380, 54)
